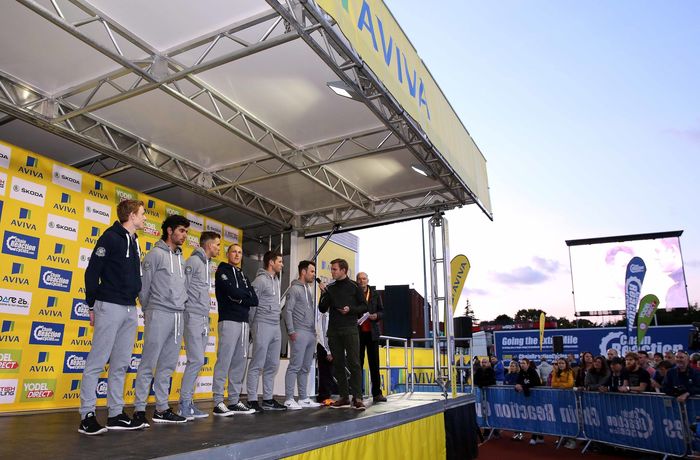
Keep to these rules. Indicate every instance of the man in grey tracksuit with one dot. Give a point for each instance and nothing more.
(199, 281)
(300, 317)
(267, 337)
(163, 296)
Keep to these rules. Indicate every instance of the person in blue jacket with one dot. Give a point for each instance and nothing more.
(682, 381)
(498, 370)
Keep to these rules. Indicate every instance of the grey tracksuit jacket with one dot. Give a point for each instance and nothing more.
(267, 288)
(163, 285)
(300, 308)
(198, 278)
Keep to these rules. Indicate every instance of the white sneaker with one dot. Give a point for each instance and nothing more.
(308, 403)
(532, 442)
(290, 404)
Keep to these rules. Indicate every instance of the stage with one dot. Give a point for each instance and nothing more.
(407, 426)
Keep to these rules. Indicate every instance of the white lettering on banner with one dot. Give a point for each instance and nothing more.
(619, 341)
(141, 319)
(231, 234)
(98, 212)
(635, 423)
(5, 153)
(543, 413)
(8, 388)
(3, 183)
(213, 226)
(46, 334)
(15, 302)
(591, 417)
(84, 257)
(75, 362)
(101, 389)
(196, 222)
(204, 384)
(181, 363)
(62, 227)
(27, 191)
(211, 345)
(636, 268)
(68, 178)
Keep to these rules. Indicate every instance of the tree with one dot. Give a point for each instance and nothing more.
(530, 314)
(564, 323)
(503, 320)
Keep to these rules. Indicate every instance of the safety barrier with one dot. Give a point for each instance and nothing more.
(692, 407)
(646, 422)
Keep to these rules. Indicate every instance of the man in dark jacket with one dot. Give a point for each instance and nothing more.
(369, 335)
(112, 283)
(345, 301)
(682, 381)
(234, 296)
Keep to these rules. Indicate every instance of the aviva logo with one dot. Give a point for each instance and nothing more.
(64, 205)
(43, 357)
(59, 254)
(51, 310)
(17, 275)
(7, 326)
(94, 234)
(98, 192)
(23, 220)
(82, 339)
(5, 330)
(74, 392)
(30, 168)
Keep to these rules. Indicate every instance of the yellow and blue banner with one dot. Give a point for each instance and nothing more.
(459, 268)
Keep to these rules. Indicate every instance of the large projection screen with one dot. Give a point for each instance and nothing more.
(598, 270)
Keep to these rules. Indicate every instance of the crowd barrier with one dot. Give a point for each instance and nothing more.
(647, 422)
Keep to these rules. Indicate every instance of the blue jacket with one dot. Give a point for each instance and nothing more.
(234, 293)
(500, 371)
(676, 382)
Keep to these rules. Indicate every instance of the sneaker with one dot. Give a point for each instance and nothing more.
(122, 422)
(254, 405)
(379, 399)
(533, 442)
(327, 402)
(341, 403)
(194, 410)
(272, 404)
(290, 404)
(240, 409)
(570, 444)
(308, 403)
(90, 426)
(222, 410)
(185, 410)
(357, 404)
(140, 419)
(168, 416)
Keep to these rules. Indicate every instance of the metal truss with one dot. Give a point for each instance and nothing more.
(20, 100)
(333, 49)
(163, 72)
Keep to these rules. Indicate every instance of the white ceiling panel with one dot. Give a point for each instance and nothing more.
(296, 192)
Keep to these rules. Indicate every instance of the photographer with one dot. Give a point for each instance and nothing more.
(682, 381)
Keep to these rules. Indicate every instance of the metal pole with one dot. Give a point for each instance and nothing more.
(434, 221)
(448, 314)
(426, 308)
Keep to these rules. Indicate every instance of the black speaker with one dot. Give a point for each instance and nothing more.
(694, 340)
(397, 311)
(463, 330)
(558, 343)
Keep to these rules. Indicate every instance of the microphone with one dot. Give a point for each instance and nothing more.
(318, 280)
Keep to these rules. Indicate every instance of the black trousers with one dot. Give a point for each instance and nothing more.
(326, 384)
(372, 347)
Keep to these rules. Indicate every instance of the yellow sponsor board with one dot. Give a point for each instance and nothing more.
(51, 216)
(376, 36)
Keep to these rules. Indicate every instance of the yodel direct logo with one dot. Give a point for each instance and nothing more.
(46, 333)
(55, 279)
(37, 389)
(16, 244)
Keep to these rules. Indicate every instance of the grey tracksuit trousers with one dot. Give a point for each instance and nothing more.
(161, 348)
(113, 340)
(196, 336)
(230, 361)
(267, 345)
(303, 349)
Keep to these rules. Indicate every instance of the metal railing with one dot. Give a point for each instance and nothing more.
(388, 366)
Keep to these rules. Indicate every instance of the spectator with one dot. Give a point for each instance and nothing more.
(612, 353)
(562, 376)
(573, 362)
(638, 380)
(544, 369)
(484, 375)
(669, 356)
(644, 362)
(498, 370)
(511, 377)
(598, 376)
(694, 359)
(682, 381)
(617, 375)
(661, 370)
(658, 357)
(586, 365)
(527, 379)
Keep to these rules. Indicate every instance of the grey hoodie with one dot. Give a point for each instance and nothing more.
(198, 275)
(300, 308)
(163, 285)
(267, 288)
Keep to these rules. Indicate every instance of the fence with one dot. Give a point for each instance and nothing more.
(647, 422)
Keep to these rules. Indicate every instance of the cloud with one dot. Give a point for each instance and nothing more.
(475, 291)
(692, 135)
(692, 263)
(521, 275)
(547, 265)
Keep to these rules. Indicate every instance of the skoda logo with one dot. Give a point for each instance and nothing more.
(15, 188)
(57, 175)
(51, 224)
(89, 209)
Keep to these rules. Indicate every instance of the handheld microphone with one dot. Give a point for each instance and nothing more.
(318, 280)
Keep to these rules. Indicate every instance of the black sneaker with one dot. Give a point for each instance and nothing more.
(239, 409)
(140, 419)
(255, 406)
(168, 416)
(122, 422)
(222, 411)
(272, 404)
(90, 426)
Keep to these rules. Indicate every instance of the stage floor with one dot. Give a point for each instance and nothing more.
(260, 436)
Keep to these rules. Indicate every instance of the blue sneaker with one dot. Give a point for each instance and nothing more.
(196, 413)
(186, 410)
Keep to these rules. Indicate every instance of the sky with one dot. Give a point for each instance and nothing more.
(588, 114)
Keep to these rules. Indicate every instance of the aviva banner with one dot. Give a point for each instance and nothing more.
(51, 217)
(377, 38)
